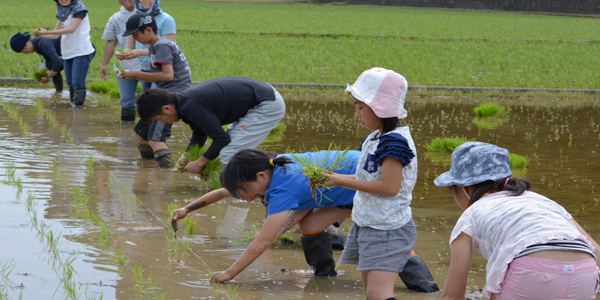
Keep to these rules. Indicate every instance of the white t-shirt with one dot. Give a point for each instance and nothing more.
(114, 31)
(501, 226)
(383, 212)
(77, 43)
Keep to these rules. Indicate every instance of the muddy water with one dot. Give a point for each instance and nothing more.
(99, 163)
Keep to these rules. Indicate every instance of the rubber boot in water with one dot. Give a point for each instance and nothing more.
(338, 239)
(79, 97)
(58, 82)
(127, 114)
(71, 94)
(164, 158)
(318, 253)
(416, 276)
(146, 151)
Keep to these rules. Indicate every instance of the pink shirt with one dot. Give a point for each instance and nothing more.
(502, 226)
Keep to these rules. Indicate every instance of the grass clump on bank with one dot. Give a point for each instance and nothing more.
(108, 87)
(490, 110)
(445, 144)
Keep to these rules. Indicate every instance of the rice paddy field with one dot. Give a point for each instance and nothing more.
(301, 43)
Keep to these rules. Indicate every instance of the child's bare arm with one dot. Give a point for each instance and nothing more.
(589, 237)
(460, 261)
(206, 199)
(389, 185)
(167, 74)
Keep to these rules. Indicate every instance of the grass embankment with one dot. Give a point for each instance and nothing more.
(334, 44)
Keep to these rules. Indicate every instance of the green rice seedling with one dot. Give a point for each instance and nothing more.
(90, 161)
(185, 246)
(518, 161)
(18, 182)
(114, 93)
(445, 144)
(39, 106)
(5, 269)
(232, 293)
(210, 172)
(37, 75)
(490, 110)
(279, 129)
(247, 233)
(317, 170)
(189, 225)
(103, 87)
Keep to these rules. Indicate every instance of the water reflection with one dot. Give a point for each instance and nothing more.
(562, 140)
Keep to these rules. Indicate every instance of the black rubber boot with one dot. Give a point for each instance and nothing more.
(71, 94)
(79, 97)
(164, 158)
(146, 152)
(319, 254)
(416, 276)
(127, 114)
(338, 239)
(58, 82)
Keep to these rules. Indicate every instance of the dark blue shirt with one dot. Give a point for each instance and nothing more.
(50, 50)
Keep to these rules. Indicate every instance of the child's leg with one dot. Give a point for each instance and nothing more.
(378, 284)
(127, 89)
(316, 243)
(250, 130)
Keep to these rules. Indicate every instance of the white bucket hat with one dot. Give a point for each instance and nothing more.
(382, 90)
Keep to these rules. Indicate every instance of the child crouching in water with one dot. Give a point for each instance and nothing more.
(383, 234)
(534, 247)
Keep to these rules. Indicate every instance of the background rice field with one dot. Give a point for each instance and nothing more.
(300, 43)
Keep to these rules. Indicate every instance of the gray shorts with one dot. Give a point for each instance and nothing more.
(250, 130)
(386, 250)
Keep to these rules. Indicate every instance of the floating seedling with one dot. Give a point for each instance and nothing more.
(490, 110)
(318, 169)
(445, 144)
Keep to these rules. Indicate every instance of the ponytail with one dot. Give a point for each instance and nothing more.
(516, 187)
(244, 165)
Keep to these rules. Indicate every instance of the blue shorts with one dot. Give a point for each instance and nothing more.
(157, 131)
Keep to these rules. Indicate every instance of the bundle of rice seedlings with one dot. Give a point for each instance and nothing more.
(210, 172)
(445, 144)
(37, 75)
(103, 87)
(518, 161)
(490, 110)
(317, 170)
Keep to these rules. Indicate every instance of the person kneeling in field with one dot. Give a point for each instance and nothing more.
(534, 247)
(168, 69)
(252, 173)
(252, 108)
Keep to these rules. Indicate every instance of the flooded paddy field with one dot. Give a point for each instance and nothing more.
(82, 217)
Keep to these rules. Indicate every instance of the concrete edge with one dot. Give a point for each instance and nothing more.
(31, 81)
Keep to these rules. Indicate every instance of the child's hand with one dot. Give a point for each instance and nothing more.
(219, 277)
(330, 179)
(132, 54)
(128, 74)
(119, 56)
(40, 32)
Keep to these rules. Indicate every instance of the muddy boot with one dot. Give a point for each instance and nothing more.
(58, 82)
(79, 97)
(338, 239)
(416, 276)
(71, 94)
(164, 158)
(127, 114)
(146, 151)
(319, 254)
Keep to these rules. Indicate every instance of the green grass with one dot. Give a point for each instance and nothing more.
(445, 144)
(325, 44)
(518, 161)
(490, 110)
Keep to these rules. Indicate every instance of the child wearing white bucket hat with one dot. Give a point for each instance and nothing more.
(383, 235)
(534, 247)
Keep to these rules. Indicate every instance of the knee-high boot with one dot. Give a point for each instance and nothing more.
(58, 82)
(416, 276)
(319, 254)
(79, 97)
(71, 93)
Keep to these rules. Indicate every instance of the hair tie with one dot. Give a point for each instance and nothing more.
(506, 182)
(271, 162)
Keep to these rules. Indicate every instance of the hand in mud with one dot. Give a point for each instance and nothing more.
(219, 277)
(194, 167)
(178, 214)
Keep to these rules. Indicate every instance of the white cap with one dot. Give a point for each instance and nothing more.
(382, 90)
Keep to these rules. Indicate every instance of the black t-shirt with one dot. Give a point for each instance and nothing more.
(216, 102)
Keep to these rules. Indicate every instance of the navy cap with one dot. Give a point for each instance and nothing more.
(476, 162)
(19, 40)
(138, 22)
